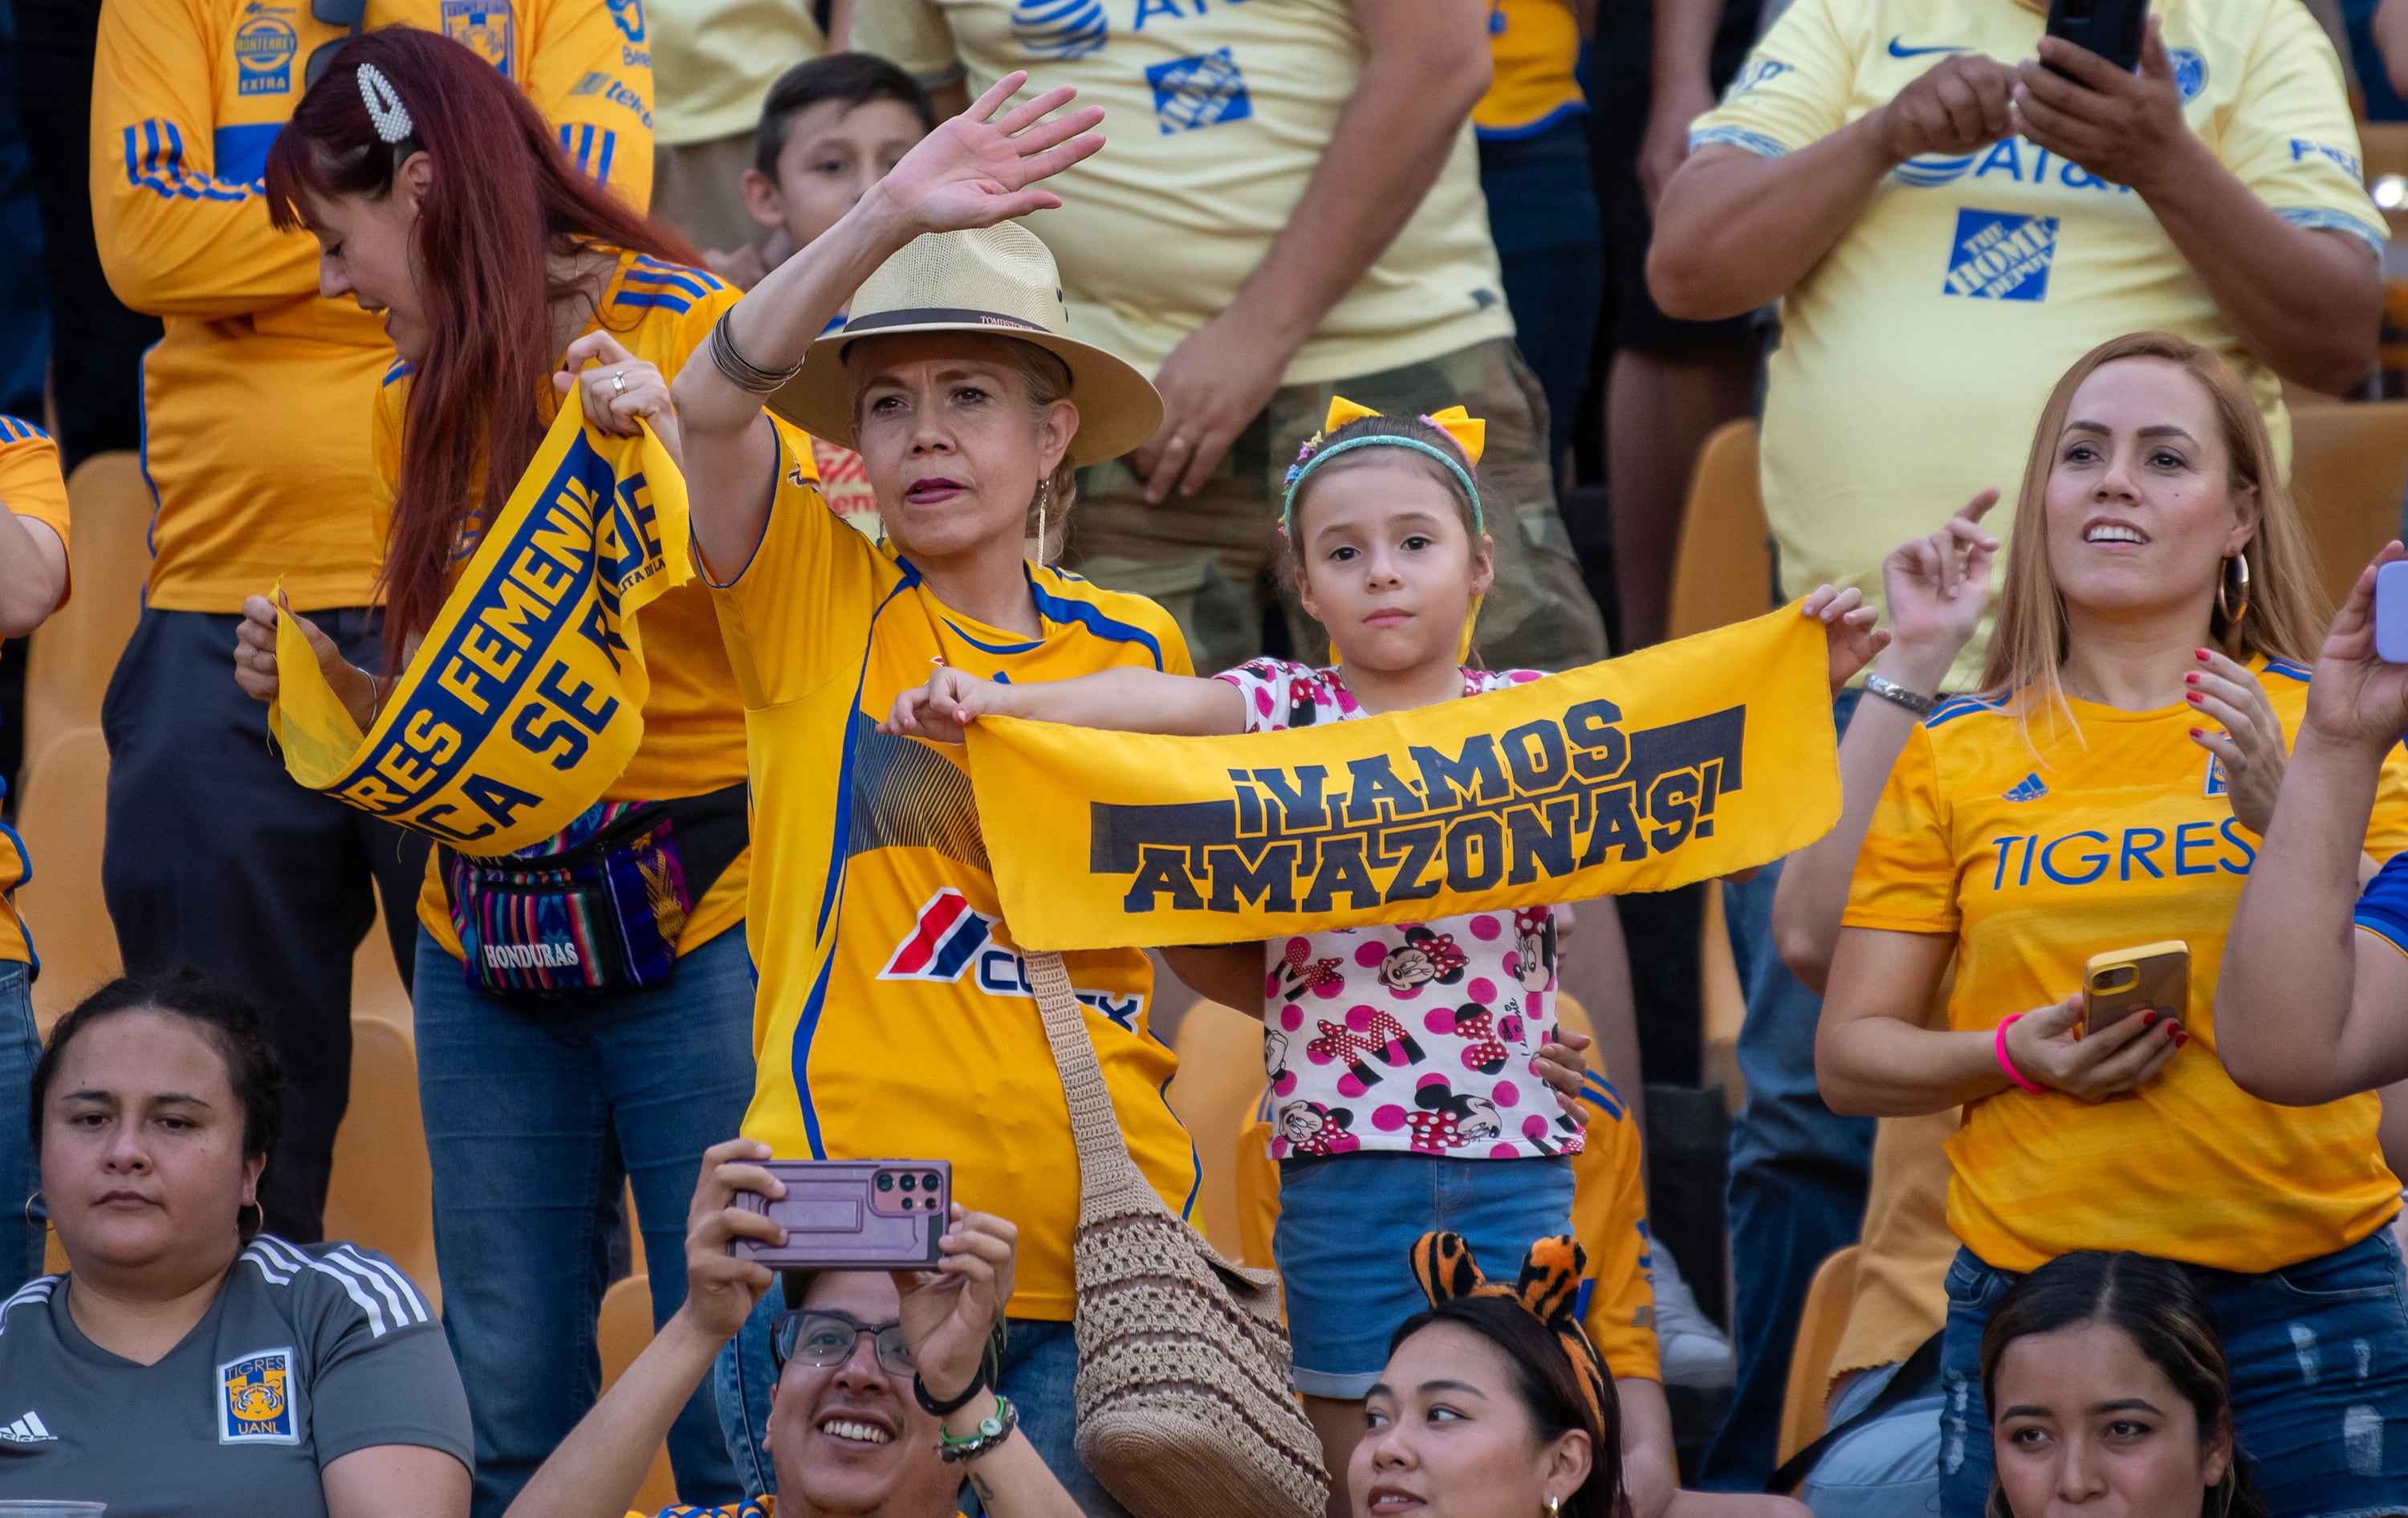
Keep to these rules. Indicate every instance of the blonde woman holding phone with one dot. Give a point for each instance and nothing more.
(2106, 789)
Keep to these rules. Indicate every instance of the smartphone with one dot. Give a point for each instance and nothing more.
(2155, 976)
(2110, 28)
(853, 1214)
(2391, 612)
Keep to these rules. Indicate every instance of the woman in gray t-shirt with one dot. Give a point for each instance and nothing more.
(187, 1364)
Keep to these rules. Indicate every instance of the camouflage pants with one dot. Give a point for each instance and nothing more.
(1205, 558)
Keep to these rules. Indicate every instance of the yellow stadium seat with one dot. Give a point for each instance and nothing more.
(1828, 1298)
(2349, 473)
(1724, 573)
(61, 819)
(1258, 1194)
(383, 1190)
(1220, 1078)
(73, 654)
(375, 985)
(626, 1327)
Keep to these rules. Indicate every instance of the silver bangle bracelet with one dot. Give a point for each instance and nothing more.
(1891, 691)
(739, 371)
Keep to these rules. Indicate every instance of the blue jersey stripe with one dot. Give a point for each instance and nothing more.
(651, 271)
(1093, 618)
(1962, 706)
(665, 301)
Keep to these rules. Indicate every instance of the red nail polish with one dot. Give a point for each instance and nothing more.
(2202, 654)
(2191, 695)
(2194, 732)
(2148, 1019)
(2190, 680)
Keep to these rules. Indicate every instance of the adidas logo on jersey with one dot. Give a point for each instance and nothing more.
(2030, 788)
(28, 1430)
(943, 942)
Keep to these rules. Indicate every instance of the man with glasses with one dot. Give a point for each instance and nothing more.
(256, 411)
(860, 1356)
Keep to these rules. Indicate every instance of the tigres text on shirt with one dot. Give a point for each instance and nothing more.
(1916, 354)
(2105, 832)
(256, 404)
(895, 1017)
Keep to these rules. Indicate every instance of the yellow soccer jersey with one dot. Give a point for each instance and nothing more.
(1617, 1296)
(256, 404)
(694, 719)
(1534, 47)
(1216, 114)
(2034, 858)
(1916, 355)
(895, 1018)
(31, 487)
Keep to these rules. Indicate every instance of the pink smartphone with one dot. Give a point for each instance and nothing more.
(2391, 612)
(853, 1214)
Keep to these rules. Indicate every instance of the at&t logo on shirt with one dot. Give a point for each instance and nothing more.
(1059, 28)
(2000, 255)
(255, 1399)
(263, 56)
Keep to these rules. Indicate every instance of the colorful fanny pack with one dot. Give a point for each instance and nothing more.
(598, 907)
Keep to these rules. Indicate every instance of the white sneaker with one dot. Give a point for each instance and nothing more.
(1693, 1351)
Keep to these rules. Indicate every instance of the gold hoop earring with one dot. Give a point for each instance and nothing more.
(33, 1197)
(1554, 1507)
(2237, 567)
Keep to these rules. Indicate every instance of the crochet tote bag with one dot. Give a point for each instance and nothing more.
(1186, 1405)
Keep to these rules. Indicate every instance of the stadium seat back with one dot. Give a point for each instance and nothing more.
(625, 1328)
(383, 1190)
(1724, 573)
(2349, 476)
(72, 656)
(1220, 1077)
(1829, 1297)
(61, 819)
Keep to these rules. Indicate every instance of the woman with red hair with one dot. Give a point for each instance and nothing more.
(443, 203)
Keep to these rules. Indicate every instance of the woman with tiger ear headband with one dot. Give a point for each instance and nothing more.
(1495, 1404)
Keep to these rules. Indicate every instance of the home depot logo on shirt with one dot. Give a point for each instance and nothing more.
(2000, 255)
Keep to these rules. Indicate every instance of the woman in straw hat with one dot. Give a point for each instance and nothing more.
(893, 1016)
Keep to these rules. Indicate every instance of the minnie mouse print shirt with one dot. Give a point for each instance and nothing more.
(1409, 1037)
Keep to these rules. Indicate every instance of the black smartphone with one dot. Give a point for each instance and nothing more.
(2110, 28)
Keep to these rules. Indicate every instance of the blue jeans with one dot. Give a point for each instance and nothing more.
(1040, 1362)
(2319, 1358)
(534, 1123)
(1888, 1468)
(21, 1226)
(1797, 1177)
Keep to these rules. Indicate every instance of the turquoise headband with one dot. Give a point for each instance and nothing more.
(1297, 473)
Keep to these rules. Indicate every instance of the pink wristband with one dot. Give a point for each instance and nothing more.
(2000, 1044)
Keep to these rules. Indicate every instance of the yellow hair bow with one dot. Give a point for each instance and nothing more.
(1469, 432)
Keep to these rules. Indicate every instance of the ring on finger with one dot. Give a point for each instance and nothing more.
(1178, 442)
(617, 381)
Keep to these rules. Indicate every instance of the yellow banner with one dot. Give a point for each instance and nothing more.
(1676, 763)
(526, 697)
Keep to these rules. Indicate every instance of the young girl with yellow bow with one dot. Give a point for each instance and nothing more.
(1409, 1064)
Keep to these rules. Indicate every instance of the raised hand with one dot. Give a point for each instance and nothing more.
(973, 172)
(2251, 746)
(721, 1287)
(2357, 700)
(1937, 586)
(1561, 1064)
(949, 1314)
(1847, 628)
(1955, 105)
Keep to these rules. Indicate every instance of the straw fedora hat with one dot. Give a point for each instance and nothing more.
(998, 280)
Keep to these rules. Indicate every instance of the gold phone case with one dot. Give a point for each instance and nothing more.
(2154, 977)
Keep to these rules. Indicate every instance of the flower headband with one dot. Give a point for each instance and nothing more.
(1548, 1290)
(1469, 432)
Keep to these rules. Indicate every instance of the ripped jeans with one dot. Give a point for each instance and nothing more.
(2319, 1357)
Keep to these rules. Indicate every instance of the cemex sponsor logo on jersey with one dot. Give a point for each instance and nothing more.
(951, 938)
(28, 1429)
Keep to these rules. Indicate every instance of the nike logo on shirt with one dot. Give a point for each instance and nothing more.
(1896, 48)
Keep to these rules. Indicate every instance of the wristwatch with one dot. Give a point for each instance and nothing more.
(1891, 691)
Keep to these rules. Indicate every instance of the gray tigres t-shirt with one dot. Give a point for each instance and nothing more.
(309, 1352)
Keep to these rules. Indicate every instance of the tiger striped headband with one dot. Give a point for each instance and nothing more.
(1548, 1290)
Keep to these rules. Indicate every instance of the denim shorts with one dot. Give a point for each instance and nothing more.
(1346, 1229)
(2319, 1357)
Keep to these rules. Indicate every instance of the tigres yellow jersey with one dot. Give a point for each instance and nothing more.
(2033, 857)
(1533, 47)
(895, 1018)
(694, 719)
(256, 404)
(32, 487)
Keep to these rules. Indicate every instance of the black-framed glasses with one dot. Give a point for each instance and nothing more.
(825, 1338)
(347, 14)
